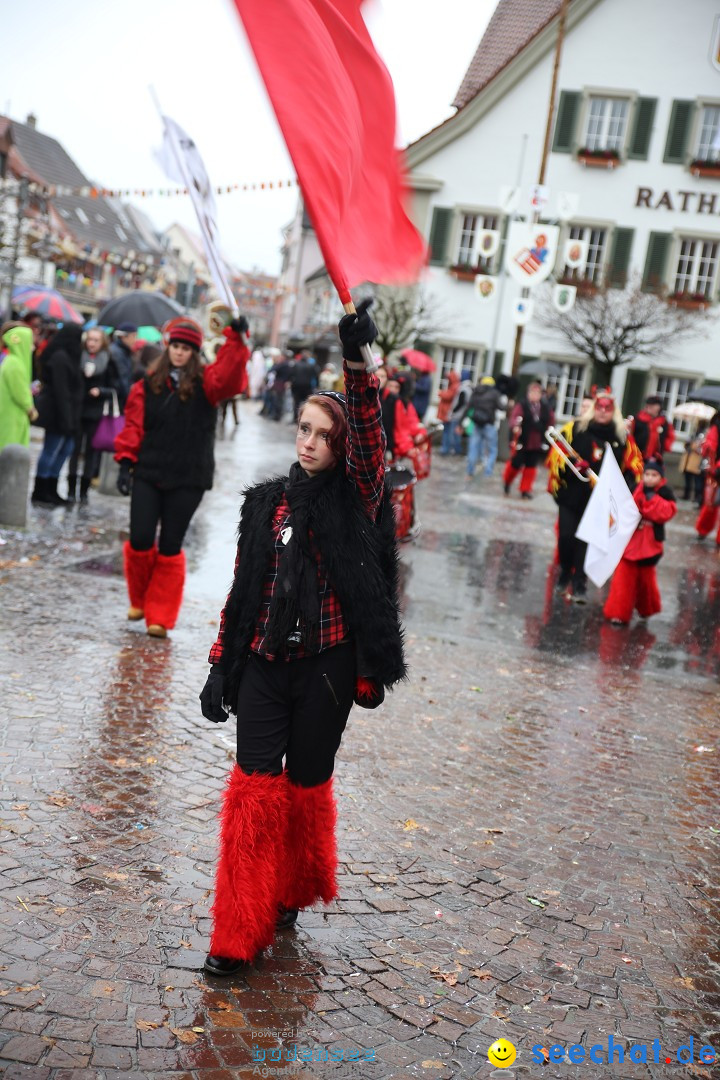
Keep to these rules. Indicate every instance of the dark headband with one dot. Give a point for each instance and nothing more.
(340, 398)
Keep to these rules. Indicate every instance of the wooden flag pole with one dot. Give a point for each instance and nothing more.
(365, 350)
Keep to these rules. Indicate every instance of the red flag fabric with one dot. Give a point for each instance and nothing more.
(335, 104)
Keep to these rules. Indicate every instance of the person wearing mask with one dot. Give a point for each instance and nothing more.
(588, 436)
(95, 361)
(17, 408)
(311, 624)
(481, 409)
(529, 421)
(166, 458)
(122, 361)
(60, 406)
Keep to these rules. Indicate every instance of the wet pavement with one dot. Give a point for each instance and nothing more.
(528, 829)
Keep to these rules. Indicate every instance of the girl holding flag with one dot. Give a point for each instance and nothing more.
(311, 623)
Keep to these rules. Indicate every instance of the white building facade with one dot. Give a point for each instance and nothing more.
(636, 137)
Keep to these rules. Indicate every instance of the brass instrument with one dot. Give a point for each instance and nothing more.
(559, 443)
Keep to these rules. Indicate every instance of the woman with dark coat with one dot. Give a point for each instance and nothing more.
(59, 404)
(96, 380)
(311, 624)
(166, 456)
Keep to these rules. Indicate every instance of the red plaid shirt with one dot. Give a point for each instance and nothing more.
(365, 468)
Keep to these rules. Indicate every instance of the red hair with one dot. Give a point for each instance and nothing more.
(338, 416)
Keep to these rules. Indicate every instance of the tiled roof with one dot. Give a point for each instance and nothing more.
(92, 222)
(513, 25)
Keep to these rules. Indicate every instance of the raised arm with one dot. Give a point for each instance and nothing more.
(365, 444)
(226, 377)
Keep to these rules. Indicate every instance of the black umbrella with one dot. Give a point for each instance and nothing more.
(541, 367)
(141, 308)
(709, 394)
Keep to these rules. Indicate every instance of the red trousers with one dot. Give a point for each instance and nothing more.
(633, 586)
(526, 480)
(706, 521)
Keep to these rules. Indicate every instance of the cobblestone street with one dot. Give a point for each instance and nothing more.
(528, 828)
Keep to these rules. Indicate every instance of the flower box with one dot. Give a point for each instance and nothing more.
(709, 169)
(584, 286)
(464, 273)
(689, 301)
(599, 159)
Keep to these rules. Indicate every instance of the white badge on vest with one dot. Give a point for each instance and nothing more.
(285, 534)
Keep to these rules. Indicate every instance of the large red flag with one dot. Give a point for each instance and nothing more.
(335, 104)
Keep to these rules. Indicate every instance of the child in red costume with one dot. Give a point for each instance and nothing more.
(634, 583)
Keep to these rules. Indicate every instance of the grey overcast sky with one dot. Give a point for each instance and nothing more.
(83, 68)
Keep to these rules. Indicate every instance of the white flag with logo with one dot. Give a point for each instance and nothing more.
(181, 160)
(609, 521)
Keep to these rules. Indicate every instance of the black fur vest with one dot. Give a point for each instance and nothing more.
(362, 566)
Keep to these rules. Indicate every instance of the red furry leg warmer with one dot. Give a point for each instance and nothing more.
(253, 825)
(527, 480)
(139, 566)
(311, 860)
(165, 591)
(706, 520)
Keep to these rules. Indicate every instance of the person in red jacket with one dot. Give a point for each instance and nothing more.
(634, 583)
(707, 518)
(166, 458)
(652, 431)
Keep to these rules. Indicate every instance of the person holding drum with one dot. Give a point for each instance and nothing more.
(311, 624)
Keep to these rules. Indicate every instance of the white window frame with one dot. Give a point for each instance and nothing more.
(610, 128)
(594, 267)
(470, 222)
(707, 130)
(676, 392)
(455, 358)
(696, 259)
(571, 385)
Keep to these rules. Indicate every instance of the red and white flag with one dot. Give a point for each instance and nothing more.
(335, 103)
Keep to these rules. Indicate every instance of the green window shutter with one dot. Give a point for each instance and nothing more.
(440, 235)
(656, 262)
(566, 122)
(634, 393)
(639, 144)
(617, 270)
(498, 364)
(678, 135)
(424, 346)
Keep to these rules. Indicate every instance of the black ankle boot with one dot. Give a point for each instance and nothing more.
(52, 492)
(41, 495)
(72, 487)
(286, 917)
(223, 965)
(84, 488)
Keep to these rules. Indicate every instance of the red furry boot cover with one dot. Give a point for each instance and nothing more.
(311, 859)
(527, 480)
(253, 825)
(165, 591)
(706, 520)
(139, 566)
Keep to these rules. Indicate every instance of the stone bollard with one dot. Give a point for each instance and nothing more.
(14, 479)
(109, 469)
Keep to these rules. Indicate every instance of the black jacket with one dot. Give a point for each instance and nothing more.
(92, 407)
(484, 403)
(178, 446)
(362, 565)
(120, 371)
(60, 401)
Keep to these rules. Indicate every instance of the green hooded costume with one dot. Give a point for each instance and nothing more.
(16, 400)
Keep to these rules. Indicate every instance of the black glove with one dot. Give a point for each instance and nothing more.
(356, 330)
(124, 481)
(211, 696)
(240, 325)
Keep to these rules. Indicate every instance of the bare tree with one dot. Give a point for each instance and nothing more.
(403, 316)
(613, 327)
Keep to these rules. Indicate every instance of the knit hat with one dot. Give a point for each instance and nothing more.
(184, 331)
(487, 380)
(653, 400)
(126, 328)
(654, 464)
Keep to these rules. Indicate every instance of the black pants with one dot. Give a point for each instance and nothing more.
(83, 447)
(172, 510)
(526, 459)
(297, 709)
(697, 482)
(571, 551)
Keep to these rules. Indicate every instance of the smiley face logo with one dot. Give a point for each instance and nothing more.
(501, 1054)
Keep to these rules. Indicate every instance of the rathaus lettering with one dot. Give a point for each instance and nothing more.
(693, 202)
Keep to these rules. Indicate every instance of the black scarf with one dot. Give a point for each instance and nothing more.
(295, 603)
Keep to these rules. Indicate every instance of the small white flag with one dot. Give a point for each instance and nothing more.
(609, 521)
(181, 160)
(485, 286)
(522, 311)
(576, 253)
(564, 297)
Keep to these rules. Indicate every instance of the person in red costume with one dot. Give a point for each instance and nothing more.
(707, 518)
(634, 583)
(652, 431)
(166, 459)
